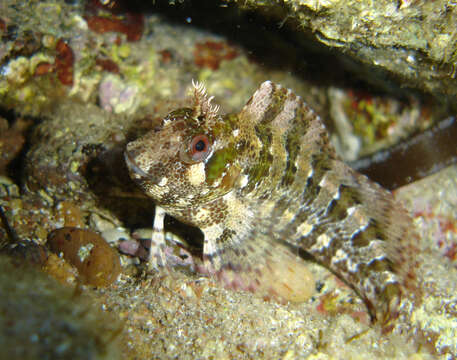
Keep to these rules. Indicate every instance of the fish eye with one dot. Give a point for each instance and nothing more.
(199, 148)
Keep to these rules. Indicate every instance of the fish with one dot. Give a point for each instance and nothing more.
(266, 187)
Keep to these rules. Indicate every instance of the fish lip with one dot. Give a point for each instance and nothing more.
(135, 168)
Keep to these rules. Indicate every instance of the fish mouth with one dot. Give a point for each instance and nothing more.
(135, 169)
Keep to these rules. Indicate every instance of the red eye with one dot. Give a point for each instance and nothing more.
(199, 148)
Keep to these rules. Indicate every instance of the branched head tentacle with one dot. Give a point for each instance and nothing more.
(202, 106)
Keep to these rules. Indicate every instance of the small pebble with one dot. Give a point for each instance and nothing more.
(97, 263)
(133, 248)
(115, 235)
(69, 214)
(60, 270)
(100, 223)
(27, 251)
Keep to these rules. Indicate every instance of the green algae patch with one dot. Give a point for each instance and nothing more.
(218, 163)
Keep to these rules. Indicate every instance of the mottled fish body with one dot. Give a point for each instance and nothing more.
(265, 185)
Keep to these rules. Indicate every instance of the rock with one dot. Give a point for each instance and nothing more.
(42, 319)
(98, 264)
(410, 42)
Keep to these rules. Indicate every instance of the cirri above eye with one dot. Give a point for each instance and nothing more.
(199, 148)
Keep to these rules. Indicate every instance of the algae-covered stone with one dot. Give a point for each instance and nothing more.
(98, 263)
(412, 42)
(41, 319)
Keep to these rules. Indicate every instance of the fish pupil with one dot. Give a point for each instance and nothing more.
(200, 145)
